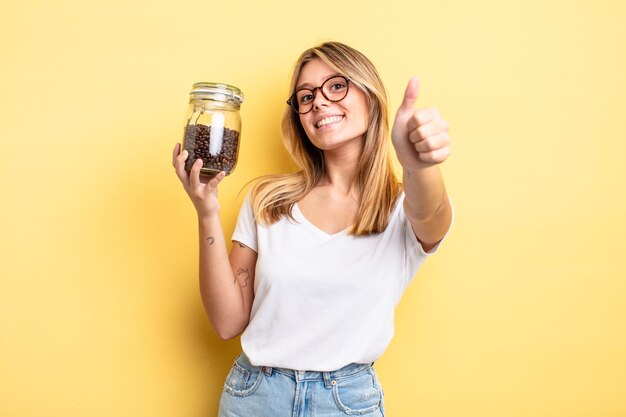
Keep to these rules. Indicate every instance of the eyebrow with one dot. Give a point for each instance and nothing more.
(309, 84)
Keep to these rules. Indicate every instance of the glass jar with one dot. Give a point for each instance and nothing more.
(213, 128)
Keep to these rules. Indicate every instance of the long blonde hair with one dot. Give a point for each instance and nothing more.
(274, 196)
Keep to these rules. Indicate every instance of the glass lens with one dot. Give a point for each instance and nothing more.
(335, 88)
(304, 97)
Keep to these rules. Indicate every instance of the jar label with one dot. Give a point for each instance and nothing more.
(217, 133)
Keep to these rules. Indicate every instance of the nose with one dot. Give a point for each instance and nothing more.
(319, 99)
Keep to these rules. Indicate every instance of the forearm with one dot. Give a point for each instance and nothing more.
(221, 294)
(426, 203)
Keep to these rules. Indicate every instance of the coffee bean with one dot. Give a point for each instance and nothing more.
(197, 143)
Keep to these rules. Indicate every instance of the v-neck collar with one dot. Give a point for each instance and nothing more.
(298, 215)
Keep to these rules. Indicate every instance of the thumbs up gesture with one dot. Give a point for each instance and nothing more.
(419, 136)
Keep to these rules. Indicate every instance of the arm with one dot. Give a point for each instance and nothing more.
(225, 282)
(420, 138)
(426, 205)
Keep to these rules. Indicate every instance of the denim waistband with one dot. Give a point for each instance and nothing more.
(327, 376)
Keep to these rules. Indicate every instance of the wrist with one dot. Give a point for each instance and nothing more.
(209, 217)
(413, 171)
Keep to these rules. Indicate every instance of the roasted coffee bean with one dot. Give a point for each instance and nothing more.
(198, 144)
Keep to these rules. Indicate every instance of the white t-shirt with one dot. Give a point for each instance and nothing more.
(324, 301)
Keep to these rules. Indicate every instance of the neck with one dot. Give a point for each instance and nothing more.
(340, 169)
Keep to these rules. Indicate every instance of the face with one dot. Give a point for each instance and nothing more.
(330, 125)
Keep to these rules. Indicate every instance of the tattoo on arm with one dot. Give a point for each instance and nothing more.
(211, 240)
(242, 246)
(242, 272)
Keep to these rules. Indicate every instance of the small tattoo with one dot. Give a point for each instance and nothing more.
(211, 240)
(409, 173)
(243, 272)
(241, 246)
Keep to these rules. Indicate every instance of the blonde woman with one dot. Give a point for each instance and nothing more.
(321, 257)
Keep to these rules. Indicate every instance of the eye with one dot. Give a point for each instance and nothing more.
(337, 86)
(305, 98)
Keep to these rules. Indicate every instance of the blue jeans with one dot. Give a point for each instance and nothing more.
(262, 391)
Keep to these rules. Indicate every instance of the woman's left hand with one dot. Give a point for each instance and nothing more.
(419, 136)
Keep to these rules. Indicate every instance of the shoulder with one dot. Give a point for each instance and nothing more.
(398, 206)
(273, 196)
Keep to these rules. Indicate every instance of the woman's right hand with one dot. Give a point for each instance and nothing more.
(201, 189)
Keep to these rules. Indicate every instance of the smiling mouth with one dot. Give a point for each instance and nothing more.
(328, 121)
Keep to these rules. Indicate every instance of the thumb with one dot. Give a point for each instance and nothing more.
(410, 94)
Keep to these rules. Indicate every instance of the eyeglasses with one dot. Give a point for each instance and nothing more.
(333, 89)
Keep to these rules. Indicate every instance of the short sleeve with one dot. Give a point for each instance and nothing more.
(415, 254)
(245, 230)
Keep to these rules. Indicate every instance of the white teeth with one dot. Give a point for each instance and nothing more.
(331, 119)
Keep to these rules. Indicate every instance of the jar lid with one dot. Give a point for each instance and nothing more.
(218, 91)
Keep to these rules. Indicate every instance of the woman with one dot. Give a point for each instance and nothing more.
(321, 257)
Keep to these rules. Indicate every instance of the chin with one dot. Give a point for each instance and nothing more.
(330, 144)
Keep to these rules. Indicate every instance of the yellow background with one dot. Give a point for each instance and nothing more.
(521, 313)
